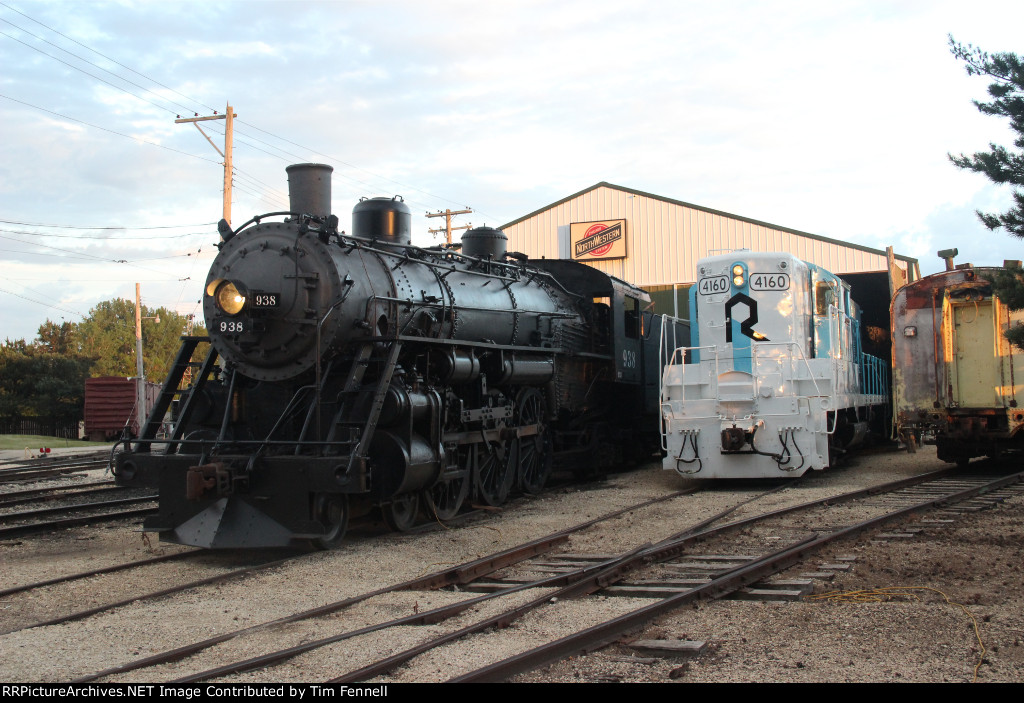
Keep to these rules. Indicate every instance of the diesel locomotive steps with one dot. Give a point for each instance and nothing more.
(347, 373)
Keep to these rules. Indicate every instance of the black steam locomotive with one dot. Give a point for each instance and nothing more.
(352, 372)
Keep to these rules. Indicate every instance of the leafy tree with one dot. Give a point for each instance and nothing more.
(107, 336)
(13, 346)
(45, 379)
(1000, 164)
(38, 384)
(58, 339)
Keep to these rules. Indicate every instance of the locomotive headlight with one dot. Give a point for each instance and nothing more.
(737, 275)
(229, 298)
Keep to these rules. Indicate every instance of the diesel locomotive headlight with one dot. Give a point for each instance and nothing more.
(229, 298)
(737, 275)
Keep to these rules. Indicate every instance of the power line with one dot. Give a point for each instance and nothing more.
(39, 302)
(78, 254)
(127, 68)
(121, 227)
(105, 279)
(103, 238)
(266, 191)
(271, 134)
(89, 124)
(122, 89)
(81, 70)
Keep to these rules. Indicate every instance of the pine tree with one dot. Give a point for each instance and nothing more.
(1000, 164)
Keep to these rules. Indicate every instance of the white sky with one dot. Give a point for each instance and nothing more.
(832, 118)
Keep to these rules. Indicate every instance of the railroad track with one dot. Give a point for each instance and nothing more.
(219, 562)
(24, 472)
(511, 593)
(673, 587)
(205, 569)
(54, 493)
(26, 522)
(459, 574)
(98, 455)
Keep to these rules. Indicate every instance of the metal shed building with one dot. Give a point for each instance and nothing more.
(658, 241)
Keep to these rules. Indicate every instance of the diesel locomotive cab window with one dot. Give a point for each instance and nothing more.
(632, 309)
(823, 297)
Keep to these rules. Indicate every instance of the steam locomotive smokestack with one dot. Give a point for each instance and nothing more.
(309, 189)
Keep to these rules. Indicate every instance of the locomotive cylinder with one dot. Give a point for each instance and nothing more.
(410, 465)
(518, 369)
(456, 366)
(400, 403)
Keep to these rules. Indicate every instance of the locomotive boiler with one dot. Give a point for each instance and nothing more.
(354, 372)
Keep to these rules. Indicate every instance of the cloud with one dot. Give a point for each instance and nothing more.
(832, 118)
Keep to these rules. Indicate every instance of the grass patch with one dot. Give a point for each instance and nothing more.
(34, 442)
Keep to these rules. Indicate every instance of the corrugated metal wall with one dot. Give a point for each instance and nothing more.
(665, 238)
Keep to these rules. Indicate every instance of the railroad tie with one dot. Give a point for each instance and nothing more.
(670, 648)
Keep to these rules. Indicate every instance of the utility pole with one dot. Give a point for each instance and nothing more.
(229, 118)
(447, 215)
(140, 383)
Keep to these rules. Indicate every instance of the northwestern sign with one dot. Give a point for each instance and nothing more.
(598, 240)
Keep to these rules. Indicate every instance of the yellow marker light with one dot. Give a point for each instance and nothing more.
(737, 275)
(229, 298)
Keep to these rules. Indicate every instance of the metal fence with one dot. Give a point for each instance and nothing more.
(63, 429)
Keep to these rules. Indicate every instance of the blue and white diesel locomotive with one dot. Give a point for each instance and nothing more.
(776, 382)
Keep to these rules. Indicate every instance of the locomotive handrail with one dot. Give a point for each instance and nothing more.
(427, 303)
(256, 219)
(663, 404)
(484, 345)
(796, 353)
(662, 348)
(367, 244)
(875, 375)
(799, 354)
(513, 271)
(319, 381)
(516, 268)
